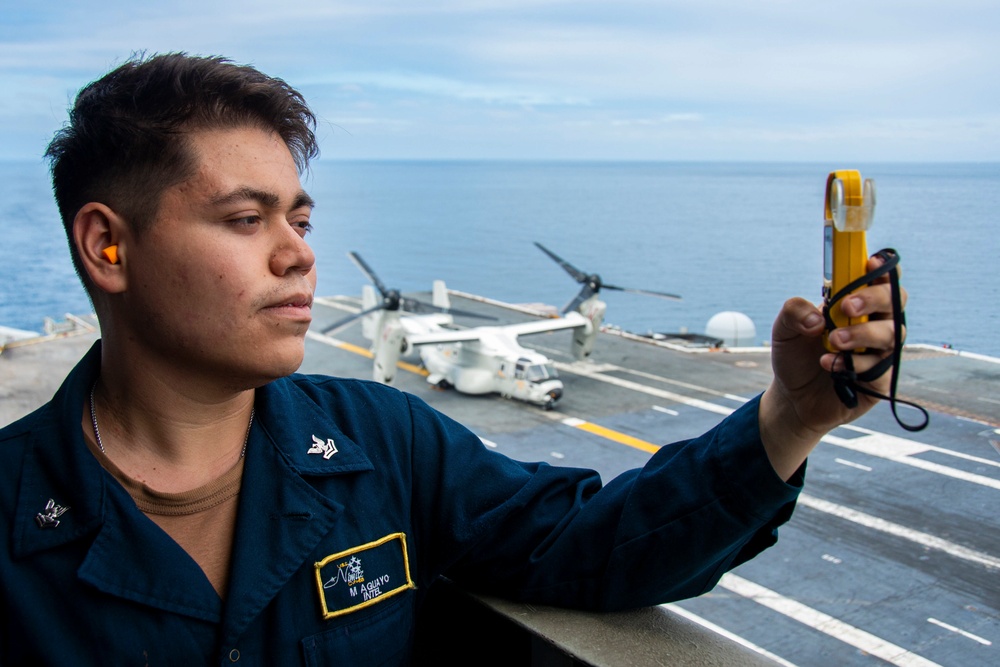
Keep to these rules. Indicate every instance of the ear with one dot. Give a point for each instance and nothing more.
(101, 238)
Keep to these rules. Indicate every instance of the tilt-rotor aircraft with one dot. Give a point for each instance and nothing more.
(482, 359)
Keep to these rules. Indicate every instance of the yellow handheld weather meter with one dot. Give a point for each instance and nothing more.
(849, 209)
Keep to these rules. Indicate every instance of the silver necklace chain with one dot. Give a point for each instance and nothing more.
(97, 431)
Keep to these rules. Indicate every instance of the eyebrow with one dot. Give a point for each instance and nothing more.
(269, 199)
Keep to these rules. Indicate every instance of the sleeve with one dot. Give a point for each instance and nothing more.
(557, 535)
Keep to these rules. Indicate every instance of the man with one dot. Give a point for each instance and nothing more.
(185, 498)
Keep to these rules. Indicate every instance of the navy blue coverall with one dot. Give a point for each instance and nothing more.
(355, 498)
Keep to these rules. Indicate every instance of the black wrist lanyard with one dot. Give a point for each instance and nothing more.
(845, 381)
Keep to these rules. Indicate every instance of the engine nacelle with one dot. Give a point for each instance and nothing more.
(593, 310)
(388, 346)
(369, 323)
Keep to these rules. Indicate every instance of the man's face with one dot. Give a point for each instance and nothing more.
(221, 284)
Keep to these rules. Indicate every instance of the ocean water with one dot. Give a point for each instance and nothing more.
(725, 236)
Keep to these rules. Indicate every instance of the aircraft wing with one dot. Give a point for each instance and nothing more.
(572, 320)
(445, 336)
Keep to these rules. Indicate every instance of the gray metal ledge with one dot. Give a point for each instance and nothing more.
(460, 628)
(647, 636)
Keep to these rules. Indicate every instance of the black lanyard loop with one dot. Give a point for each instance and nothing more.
(845, 381)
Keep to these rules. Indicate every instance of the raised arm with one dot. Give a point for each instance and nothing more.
(800, 406)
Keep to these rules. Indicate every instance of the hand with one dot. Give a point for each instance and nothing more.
(800, 406)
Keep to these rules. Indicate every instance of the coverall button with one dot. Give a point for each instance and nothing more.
(234, 655)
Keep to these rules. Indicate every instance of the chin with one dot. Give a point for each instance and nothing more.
(285, 366)
(277, 365)
(291, 363)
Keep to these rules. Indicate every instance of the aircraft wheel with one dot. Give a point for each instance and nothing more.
(444, 384)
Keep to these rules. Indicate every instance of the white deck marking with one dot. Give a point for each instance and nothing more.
(828, 625)
(867, 520)
(668, 411)
(952, 628)
(589, 369)
(877, 444)
(695, 618)
(903, 451)
(921, 538)
(686, 385)
(852, 464)
(927, 448)
(581, 369)
(337, 305)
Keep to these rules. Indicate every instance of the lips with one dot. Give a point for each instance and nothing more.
(293, 307)
(292, 301)
(299, 303)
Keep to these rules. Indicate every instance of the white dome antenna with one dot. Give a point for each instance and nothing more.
(734, 329)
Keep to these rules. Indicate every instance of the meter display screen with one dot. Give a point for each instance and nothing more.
(828, 252)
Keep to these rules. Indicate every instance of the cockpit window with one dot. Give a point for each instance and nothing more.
(540, 372)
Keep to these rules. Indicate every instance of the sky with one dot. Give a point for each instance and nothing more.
(771, 80)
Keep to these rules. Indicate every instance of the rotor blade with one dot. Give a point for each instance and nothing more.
(583, 295)
(368, 271)
(577, 274)
(392, 300)
(632, 290)
(415, 306)
(340, 324)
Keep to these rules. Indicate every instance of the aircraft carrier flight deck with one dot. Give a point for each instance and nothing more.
(892, 556)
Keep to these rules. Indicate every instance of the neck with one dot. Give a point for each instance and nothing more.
(169, 439)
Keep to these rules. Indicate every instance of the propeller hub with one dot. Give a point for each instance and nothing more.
(391, 300)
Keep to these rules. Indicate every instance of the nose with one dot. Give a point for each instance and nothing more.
(291, 252)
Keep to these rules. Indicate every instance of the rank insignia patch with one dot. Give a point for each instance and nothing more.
(364, 575)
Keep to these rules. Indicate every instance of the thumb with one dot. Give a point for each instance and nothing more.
(798, 317)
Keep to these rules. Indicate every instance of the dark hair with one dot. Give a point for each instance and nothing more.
(125, 141)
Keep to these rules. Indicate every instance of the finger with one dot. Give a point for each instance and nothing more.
(873, 335)
(797, 317)
(875, 261)
(875, 301)
(835, 362)
(864, 362)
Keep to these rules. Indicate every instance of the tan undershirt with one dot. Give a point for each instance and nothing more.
(202, 520)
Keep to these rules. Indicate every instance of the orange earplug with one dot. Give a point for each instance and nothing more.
(111, 252)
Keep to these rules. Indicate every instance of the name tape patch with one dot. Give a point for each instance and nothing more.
(364, 575)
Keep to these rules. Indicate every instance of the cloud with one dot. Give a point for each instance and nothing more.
(667, 119)
(438, 86)
(719, 71)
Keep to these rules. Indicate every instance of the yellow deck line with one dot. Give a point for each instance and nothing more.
(614, 436)
(355, 349)
(412, 368)
(364, 352)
